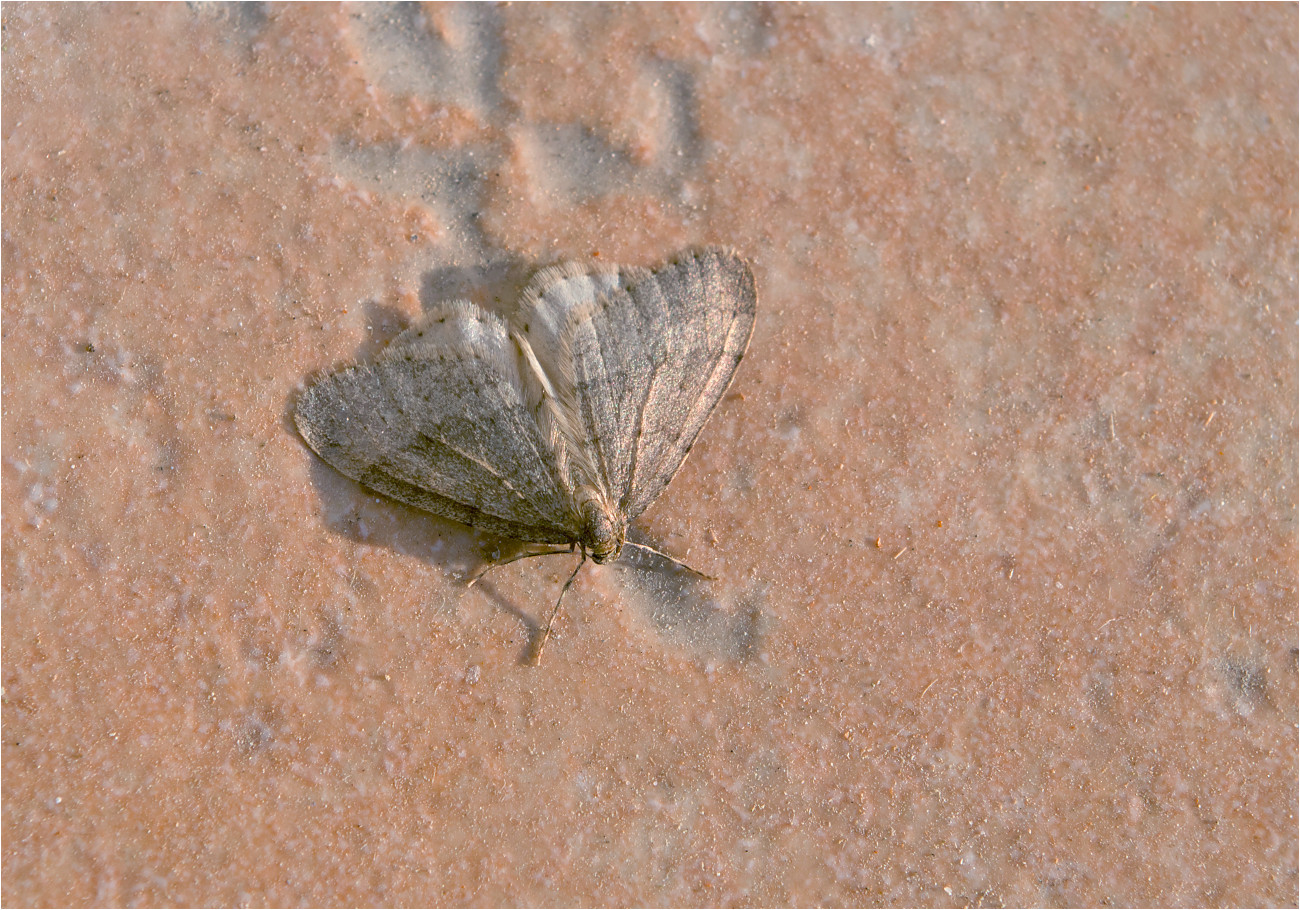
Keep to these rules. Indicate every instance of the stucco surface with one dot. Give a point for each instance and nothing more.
(1001, 508)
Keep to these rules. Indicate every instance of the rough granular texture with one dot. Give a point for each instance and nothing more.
(1001, 504)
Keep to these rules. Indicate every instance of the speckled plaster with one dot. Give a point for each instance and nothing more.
(1001, 509)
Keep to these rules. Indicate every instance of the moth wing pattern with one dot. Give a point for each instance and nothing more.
(640, 359)
(440, 422)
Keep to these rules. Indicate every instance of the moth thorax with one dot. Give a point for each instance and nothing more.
(603, 529)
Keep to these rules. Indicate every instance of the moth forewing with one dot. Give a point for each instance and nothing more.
(557, 428)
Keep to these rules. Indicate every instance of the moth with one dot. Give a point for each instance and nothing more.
(555, 427)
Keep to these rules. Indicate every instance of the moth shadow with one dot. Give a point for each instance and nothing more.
(678, 603)
(532, 620)
(694, 611)
(681, 606)
(367, 517)
(384, 324)
(494, 286)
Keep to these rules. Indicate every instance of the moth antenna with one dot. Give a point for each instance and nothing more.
(494, 563)
(673, 560)
(546, 633)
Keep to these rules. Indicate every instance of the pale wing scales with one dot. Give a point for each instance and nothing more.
(640, 360)
(705, 304)
(556, 321)
(440, 422)
(617, 352)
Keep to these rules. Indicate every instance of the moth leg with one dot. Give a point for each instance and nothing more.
(494, 563)
(674, 561)
(536, 656)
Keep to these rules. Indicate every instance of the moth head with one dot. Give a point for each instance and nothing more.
(603, 530)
